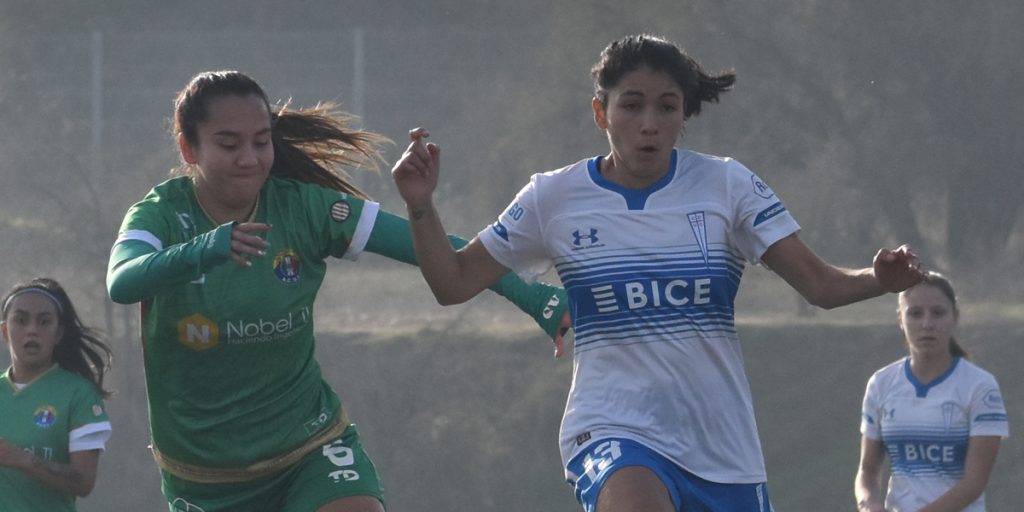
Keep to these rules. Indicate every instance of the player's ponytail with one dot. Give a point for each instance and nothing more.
(316, 145)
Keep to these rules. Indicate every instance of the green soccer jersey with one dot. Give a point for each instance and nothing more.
(41, 418)
(229, 351)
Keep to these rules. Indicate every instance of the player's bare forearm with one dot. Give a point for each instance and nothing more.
(76, 478)
(453, 277)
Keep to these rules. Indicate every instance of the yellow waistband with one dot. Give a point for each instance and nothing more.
(207, 475)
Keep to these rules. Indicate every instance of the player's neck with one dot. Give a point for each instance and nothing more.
(219, 213)
(928, 367)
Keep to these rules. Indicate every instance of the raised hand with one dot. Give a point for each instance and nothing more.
(416, 173)
(896, 270)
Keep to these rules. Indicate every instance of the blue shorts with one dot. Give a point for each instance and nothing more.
(689, 492)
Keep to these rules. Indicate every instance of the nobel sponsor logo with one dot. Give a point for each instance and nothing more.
(200, 333)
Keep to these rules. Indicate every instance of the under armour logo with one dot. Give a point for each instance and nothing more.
(578, 238)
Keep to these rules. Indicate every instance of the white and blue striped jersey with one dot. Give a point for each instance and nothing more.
(926, 427)
(651, 277)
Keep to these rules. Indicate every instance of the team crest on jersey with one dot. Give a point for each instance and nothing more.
(700, 233)
(45, 416)
(340, 211)
(949, 415)
(286, 266)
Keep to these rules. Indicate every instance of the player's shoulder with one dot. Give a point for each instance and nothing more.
(550, 187)
(68, 382)
(687, 159)
(172, 188)
(891, 372)
(282, 187)
(575, 170)
(169, 194)
(970, 370)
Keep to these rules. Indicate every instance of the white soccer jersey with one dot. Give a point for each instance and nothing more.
(651, 277)
(926, 427)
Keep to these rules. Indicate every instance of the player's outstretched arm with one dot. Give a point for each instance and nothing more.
(828, 286)
(453, 277)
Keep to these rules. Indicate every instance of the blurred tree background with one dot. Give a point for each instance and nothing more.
(877, 122)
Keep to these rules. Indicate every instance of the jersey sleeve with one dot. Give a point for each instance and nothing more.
(760, 218)
(871, 411)
(90, 426)
(341, 223)
(143, 260)
(391, 237)
(516, 239)
(987, 411)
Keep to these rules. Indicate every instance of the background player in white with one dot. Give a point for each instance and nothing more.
(650, 243)
(938, 416)
(53, 424)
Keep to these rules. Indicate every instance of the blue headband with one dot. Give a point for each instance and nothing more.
(33, 289)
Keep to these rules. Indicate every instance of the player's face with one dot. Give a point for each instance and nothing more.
(642, 119)
(234, 153)
(928, 319)
(32, 329)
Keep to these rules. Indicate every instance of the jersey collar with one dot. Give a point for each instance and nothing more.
(635, 199)
(922, 388)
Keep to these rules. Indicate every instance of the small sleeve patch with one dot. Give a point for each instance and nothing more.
(769, 213)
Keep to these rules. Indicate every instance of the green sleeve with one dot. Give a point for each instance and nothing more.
(137, 270)
(547, 304)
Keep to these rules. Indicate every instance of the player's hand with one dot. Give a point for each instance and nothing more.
(896, 270)
(247, 242)
(416, 173)
(11, 456)
(563, 328)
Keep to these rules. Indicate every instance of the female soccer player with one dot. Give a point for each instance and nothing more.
(650, 243)
(240, 415)
(54, 422)
(939, 417)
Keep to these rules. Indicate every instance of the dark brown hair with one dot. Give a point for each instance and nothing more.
(313, 145)
(944, 285)
(80, 349)
(632, 52)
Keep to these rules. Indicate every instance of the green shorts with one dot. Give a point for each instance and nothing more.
(338, 470)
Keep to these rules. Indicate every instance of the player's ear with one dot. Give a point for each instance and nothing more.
(188, 154)
(600, 116)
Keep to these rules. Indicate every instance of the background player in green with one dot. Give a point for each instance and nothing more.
(240, 416)
(54, 423)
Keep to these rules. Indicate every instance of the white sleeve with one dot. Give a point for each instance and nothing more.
(759, 217)
(988, 413)
(516, 239)
(871, 412)
(93, 436)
